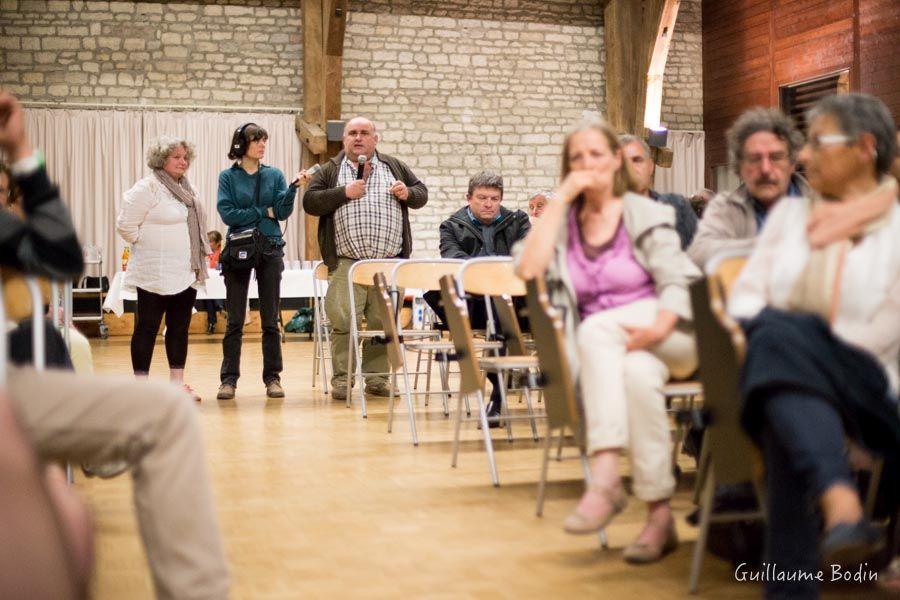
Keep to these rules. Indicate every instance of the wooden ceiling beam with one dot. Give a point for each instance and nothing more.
(637, 38)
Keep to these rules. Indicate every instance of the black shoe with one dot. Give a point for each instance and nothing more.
(850, 544)
(493, 410)
(210, 328)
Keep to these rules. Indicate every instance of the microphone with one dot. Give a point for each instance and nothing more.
(362, 166)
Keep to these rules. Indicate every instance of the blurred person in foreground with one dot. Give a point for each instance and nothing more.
(69, 417)
(822, 321)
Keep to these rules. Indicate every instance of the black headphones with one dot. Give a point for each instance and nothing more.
(239, 142)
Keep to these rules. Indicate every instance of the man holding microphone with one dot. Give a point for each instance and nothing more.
(362, 199)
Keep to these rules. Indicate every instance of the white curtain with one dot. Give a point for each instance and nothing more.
(686, 176)
(96, 155)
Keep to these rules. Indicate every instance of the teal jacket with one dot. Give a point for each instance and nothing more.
(235, 201)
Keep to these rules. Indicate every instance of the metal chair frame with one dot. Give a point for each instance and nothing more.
(472, 380)
(321, 326)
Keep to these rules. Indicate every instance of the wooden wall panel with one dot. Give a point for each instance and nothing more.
(736, 66)
(751, 47)
(879, 50)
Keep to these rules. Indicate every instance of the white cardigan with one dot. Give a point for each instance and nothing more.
(154, 222)
(868, 314)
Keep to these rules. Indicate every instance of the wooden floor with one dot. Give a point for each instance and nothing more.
(316, 502)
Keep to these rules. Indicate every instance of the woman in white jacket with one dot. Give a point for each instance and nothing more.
(165, 224)
(823, 339)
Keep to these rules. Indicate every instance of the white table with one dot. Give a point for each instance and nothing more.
(295, 283)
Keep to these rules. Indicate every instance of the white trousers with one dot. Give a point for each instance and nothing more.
(622, 392)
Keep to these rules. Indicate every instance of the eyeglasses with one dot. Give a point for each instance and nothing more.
(817, 142)
(775, 158)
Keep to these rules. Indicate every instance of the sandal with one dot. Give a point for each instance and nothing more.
(578, 523)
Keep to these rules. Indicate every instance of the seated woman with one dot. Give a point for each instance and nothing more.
(823, 344)
(615, 260)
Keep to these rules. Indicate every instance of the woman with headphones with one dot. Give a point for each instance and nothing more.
(252, 199)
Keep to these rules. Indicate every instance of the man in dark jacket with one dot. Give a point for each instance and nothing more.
(637, 152)
(482, 228)
(360, 218)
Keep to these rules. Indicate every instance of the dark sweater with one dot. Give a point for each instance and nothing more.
(236, 195)
(45, 242)
(323, 197)
(685, 217)
(461, 238)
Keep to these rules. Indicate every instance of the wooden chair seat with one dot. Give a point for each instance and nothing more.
(683, 388)
(506, 363)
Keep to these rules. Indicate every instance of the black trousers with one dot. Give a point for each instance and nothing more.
(150, 310)
(212, 307)
(268, 268)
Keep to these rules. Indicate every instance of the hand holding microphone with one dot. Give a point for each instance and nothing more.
(357, 189)
(303, 177)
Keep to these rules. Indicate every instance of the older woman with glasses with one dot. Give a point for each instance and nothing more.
(823, 331)
(164, 222)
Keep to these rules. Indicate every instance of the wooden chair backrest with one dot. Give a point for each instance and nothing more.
(471, 380)
(385, 308)
(321, 272)
(491, 277)
(16, 296)
(513, 339)
(548, 330)
(720, 363)
(721, 275)
(423, 275)
(364, 271)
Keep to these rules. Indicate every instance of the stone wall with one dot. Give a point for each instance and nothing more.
(454, 96)
(454, 86)
(206, 53)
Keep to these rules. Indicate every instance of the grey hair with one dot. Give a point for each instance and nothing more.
(486, 179)
(160, 149)
(548, 194)
(755, 120)
(861, 113)
(627, 138)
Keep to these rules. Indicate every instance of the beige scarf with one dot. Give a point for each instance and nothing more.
(818, 288)
(196, 221)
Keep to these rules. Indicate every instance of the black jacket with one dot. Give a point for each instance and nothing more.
(324, 196)
(685, 217)
(461, 238)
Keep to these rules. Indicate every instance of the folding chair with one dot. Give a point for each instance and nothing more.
(362, 272)
(472, 380)
(726, 448)
(425, 275)
(495, 276)
(322, 327)
(560, 397)
(393, 339)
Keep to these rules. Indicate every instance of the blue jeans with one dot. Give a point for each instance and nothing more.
(803, 444)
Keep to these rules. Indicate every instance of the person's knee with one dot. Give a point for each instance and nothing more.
(338, 312)
(643, 374)
(597, 332)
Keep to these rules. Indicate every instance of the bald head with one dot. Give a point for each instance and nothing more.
(359, 138)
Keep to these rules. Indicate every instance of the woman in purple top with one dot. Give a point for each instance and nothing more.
(615, 260)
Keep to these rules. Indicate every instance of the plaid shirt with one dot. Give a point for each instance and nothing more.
(371, 226)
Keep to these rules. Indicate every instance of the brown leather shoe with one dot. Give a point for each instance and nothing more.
(274, 389)
(226, 392)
